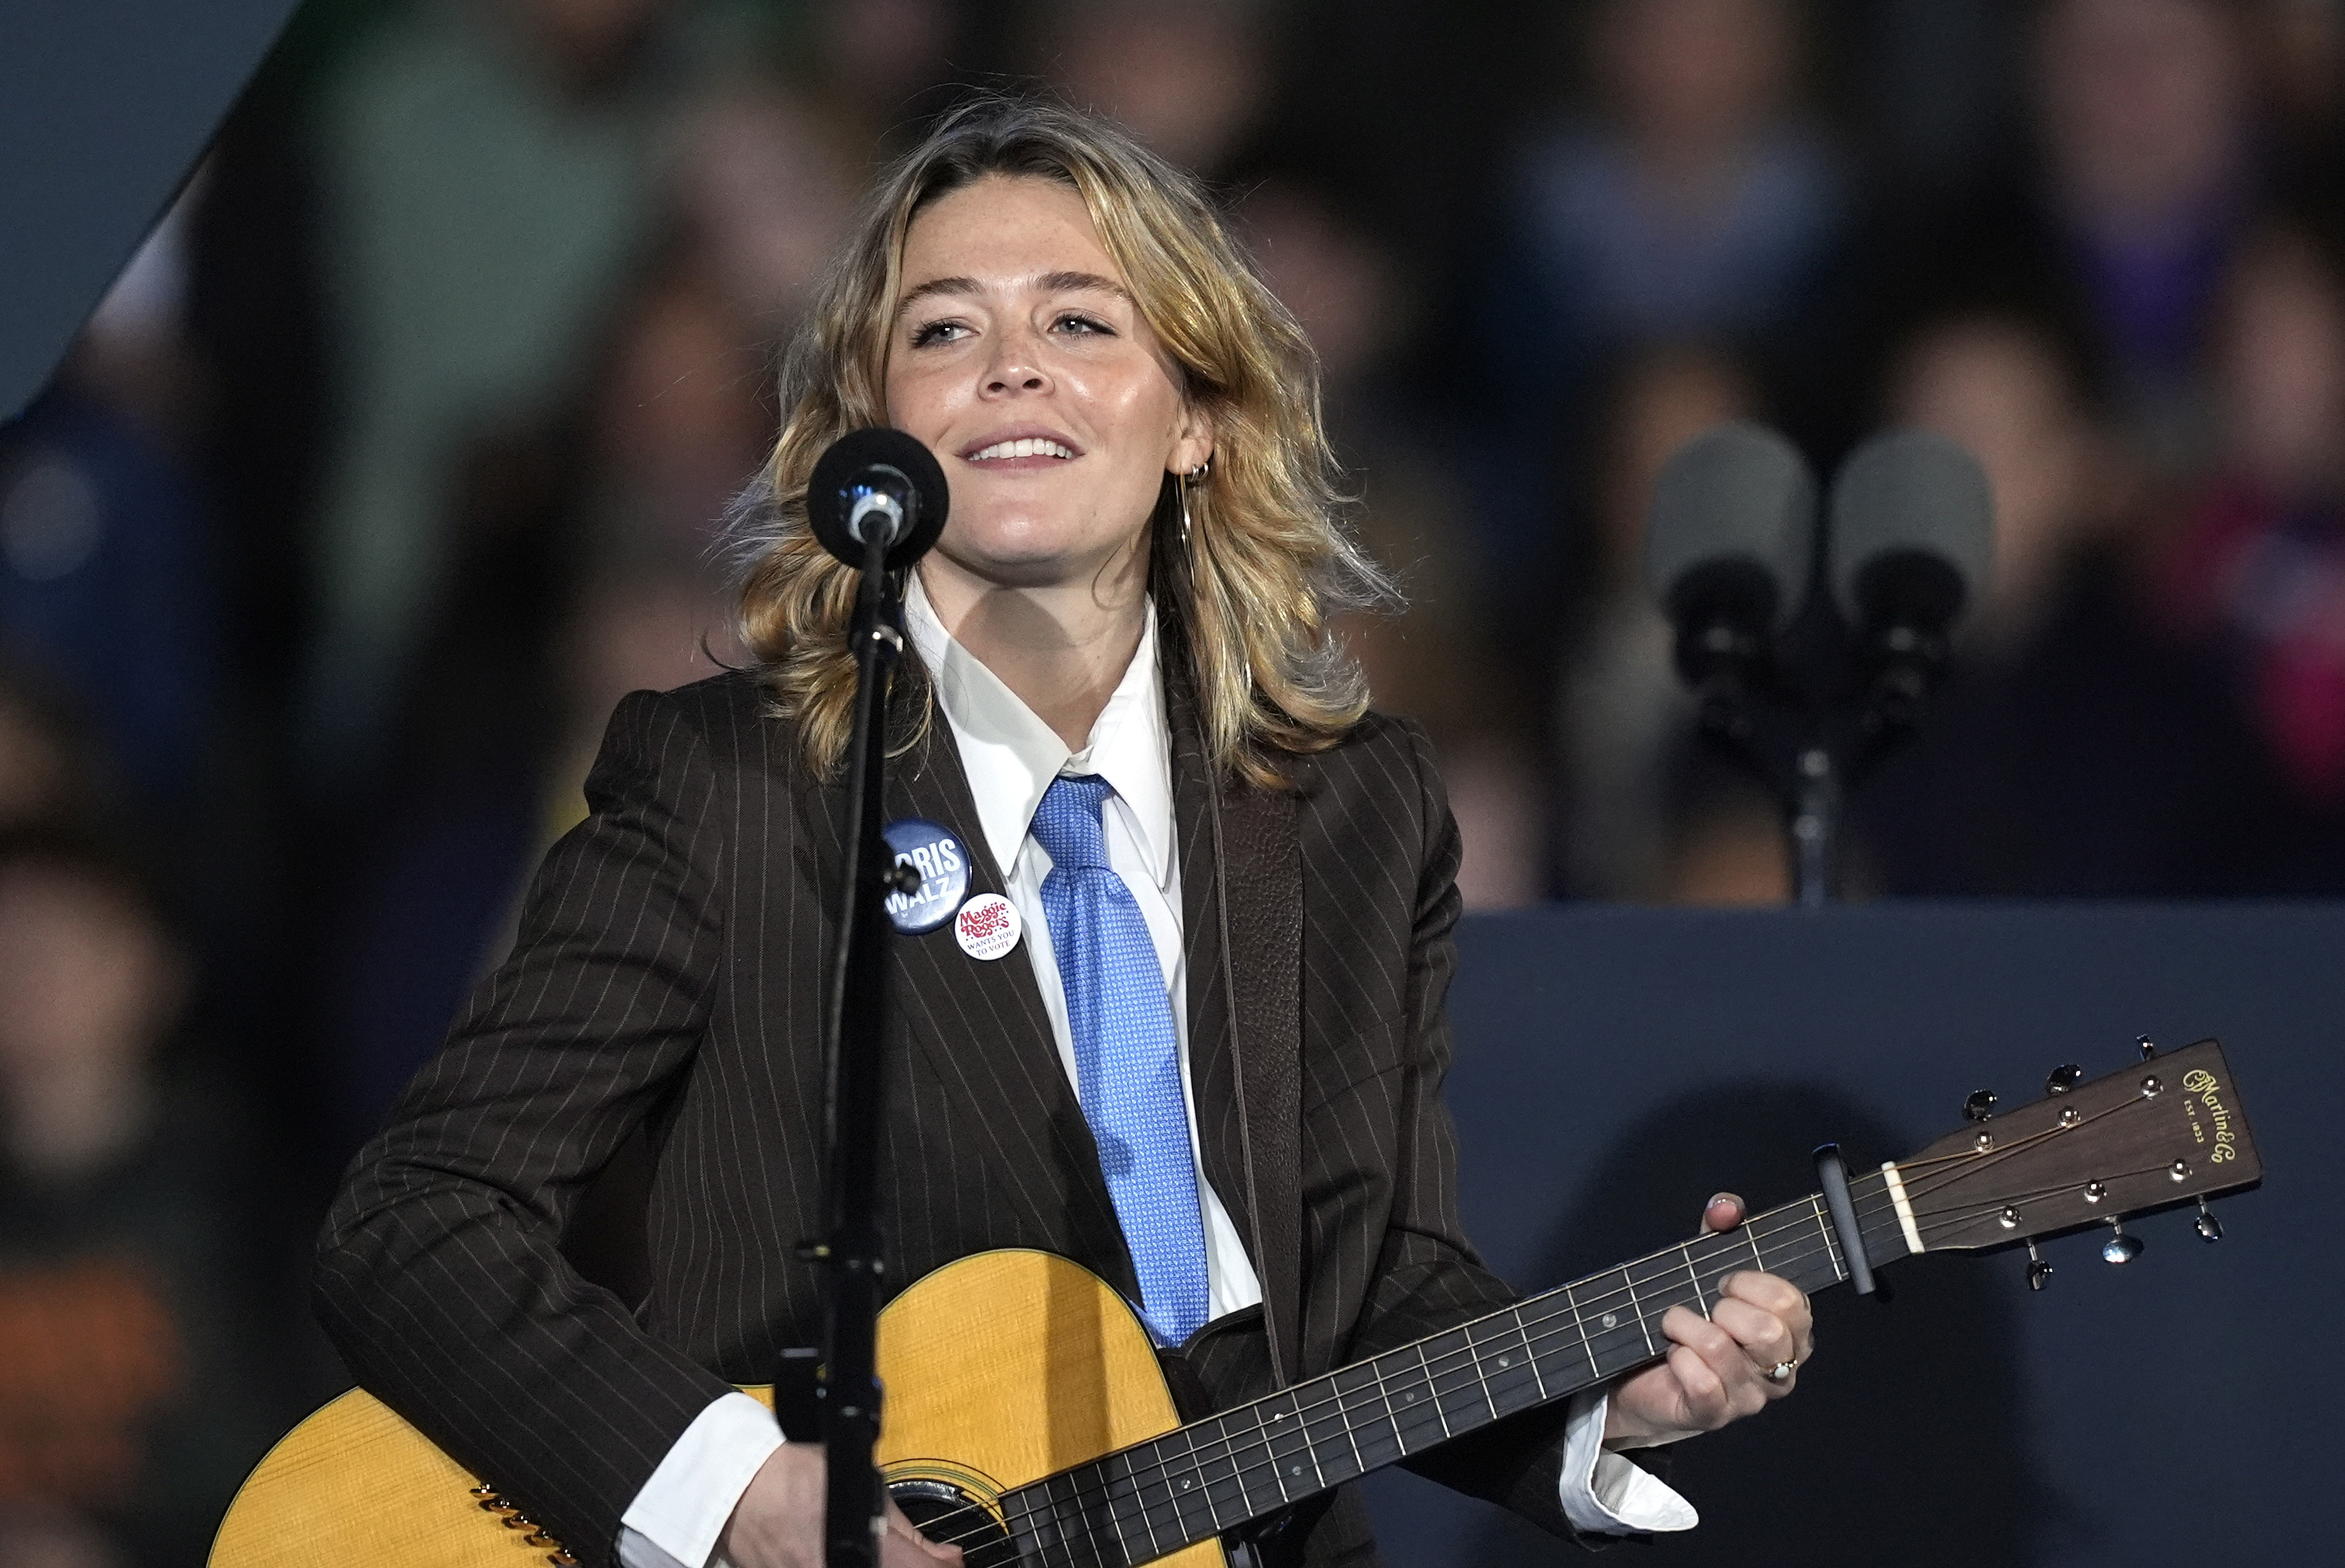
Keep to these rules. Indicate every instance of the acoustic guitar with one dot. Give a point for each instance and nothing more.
(1058, 1447)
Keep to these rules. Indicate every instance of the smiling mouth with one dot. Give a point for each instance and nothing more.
(1027, 447)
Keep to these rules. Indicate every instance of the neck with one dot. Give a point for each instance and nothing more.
(1062, 647)
(1241, 1465)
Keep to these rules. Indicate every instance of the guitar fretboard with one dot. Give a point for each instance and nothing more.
(1142, 1502)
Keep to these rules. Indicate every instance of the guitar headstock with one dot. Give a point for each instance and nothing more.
(2161, 1133)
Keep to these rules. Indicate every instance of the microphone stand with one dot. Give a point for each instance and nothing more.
(854, 1509)
(1752, 709)
(1804, 737)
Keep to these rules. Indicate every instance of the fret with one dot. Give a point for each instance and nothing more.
(1615, 1334)
(1126, 1513)
(1287, 1448)
(1457, 1382)
(1431, 1390)
(1069, 1531)
(1225, 1473)
(1661, 1282)
(1510, 1382)
(1884, 1238)
(1521, 1323)
(1103, 1517)
(1701, 1296)
(1416, 1418)
(1716, 1258)
(1830, 1237)
(1572, 1346)
(1327, 1421)
(1376, 1441)
(1641, 1286)
(1179, 1482)
(1166, 1473)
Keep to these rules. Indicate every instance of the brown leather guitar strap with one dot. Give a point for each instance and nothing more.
(1258, 855)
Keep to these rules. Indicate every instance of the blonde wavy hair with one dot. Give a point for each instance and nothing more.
(1246, 599)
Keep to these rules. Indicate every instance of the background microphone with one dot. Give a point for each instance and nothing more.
(1728, 548)
(1913, 529)
(878, 485)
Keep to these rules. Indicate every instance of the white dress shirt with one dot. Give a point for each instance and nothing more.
(1011, 757)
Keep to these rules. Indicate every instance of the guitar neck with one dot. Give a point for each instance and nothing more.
(1214, 1475)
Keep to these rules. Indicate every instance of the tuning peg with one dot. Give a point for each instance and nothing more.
(2209, 1227)
(2039, 1273)
(2064, 1079)
(2120, 1248)
(2148, 1046)
(1980, 1105)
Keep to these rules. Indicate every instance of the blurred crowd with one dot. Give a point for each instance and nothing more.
(402, 450)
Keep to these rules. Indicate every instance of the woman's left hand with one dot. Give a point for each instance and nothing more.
(1717, 1368)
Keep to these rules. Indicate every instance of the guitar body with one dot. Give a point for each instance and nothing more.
(1000, 1369)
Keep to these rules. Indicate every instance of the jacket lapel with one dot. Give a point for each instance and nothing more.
(1245, 1018)
(979, 1024)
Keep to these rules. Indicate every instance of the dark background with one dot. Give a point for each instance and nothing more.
(431, 346)
(1616, 1068)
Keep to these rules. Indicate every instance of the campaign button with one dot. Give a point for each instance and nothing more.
(987, 926)
(942, 863)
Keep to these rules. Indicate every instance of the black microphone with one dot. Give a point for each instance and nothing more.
(878, 486)
(1912, 531)
(1728, 546)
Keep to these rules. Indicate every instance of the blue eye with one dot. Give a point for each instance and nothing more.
(1085, 324)
(934, 332)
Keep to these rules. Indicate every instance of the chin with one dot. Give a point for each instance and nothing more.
(1023, 550)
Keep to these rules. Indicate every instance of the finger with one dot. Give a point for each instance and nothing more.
(1702, 1394)
(1740, 1389)
(903, 1534)
(1770, 1291)
(1764, 1338)
(1771, 1294)
(1722, 1212)
(912, 1552)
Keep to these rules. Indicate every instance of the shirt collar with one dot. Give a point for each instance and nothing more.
(1011, 755)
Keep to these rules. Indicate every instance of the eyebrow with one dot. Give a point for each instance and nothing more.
(1050, 283)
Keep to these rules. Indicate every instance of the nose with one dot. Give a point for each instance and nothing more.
(1016, 365)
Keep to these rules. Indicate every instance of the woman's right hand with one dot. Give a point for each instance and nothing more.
(777, 1523)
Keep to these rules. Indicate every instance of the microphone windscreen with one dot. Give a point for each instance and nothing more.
(877, 457)
(1735, 495)
(1909, 493)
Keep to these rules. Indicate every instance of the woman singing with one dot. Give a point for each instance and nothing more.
(1209, 1067)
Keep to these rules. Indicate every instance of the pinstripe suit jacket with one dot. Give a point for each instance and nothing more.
(668, 976)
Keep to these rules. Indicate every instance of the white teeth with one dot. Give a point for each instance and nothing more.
(1027, 447)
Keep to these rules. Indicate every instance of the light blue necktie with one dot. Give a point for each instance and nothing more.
(1127, 1056)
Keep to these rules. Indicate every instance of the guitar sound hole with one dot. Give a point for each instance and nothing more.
(944, 1512)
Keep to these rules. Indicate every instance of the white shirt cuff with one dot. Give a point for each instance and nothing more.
(1605, 1493)
(675, 1520)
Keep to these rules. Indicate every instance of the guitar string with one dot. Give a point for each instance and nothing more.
(1078, 1525)
(1261, 1435)
(1086, 1491)
(1963, 1166)
(1089, 1526)
(1933, 1175)
(1970, 1160)
(1968, 1213)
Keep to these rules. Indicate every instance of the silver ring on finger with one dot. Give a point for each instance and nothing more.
(1780, 1372)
